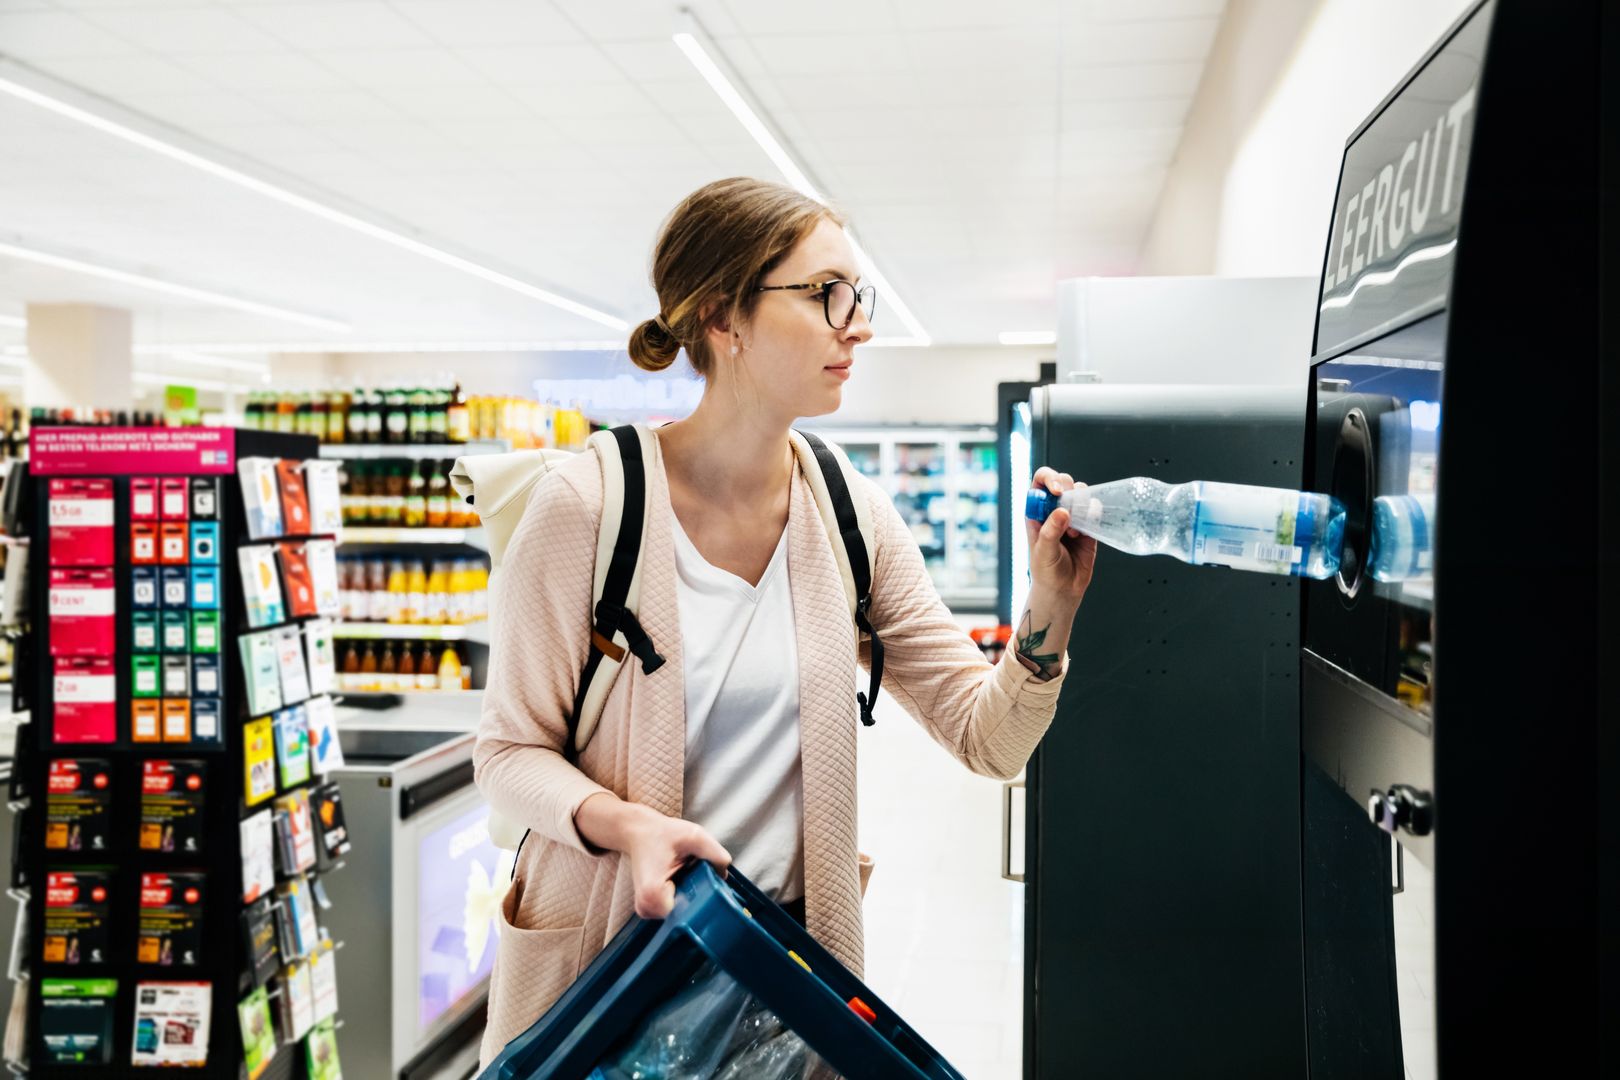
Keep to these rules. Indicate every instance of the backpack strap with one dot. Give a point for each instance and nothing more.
(625, 454)
(849, 528)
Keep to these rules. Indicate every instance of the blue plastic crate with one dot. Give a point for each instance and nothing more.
(728, 923)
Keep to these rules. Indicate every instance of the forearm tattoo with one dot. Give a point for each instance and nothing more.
(1030, 642)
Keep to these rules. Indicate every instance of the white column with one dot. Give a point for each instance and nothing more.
(79, 356)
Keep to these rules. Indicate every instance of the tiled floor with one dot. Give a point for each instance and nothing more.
(944, 932)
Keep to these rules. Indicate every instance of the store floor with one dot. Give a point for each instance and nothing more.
(944, 932)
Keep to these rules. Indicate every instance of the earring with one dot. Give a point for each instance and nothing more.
(733, 348)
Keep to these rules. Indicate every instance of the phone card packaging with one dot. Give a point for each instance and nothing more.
(143, 498)
(80, 518)
(173, 800)
(259, 760)
(174, 543)
(260, 937)
(298, 588)
(78, 805)
(205, 587)
(294, 501)
(176, 676)
(205, 543)
(144, 631)
(146, 721)
(177, 719)
(76, 1021)
(292, 745)
(205, 677)
(297, 1002)
(204, 498)
(295, 830)
(260, 498)
(174, 498)
(261, 585)
(258, 857)
(263, 672)
(290, 659)
(321, 1051)
(143, 543)
(325, 752)
(322, 656)
(321, 556)
(83, 613)
(176, 625)
(299, 910)
(205, 729)
(205, 631)
(171, 1024)
(143, 587)
(325, 496)
(331, 831)
(323, 980)
(85, 690)
(77, 910)
(171, 920)
(258, 1033)
(176, 584)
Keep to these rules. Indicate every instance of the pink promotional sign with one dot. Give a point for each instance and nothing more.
(69, 451)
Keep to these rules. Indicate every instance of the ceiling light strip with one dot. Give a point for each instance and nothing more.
(145, 281)
(701, 51)
(1027, 337)
(302, 202)
(272, 347)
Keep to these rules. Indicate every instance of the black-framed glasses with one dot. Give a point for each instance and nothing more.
(838, 300)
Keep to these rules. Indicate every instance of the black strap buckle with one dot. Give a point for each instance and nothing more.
(614, 617)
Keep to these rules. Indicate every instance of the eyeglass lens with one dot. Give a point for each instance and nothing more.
(841, 300)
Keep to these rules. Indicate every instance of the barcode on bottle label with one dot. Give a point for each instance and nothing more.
(1278, 553)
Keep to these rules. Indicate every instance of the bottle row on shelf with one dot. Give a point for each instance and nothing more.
(425, 413)
(443, 592)
(402, 494)
(403, 666)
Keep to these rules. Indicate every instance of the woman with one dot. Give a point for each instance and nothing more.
(743, 742)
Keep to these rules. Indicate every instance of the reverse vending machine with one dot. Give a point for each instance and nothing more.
(1457, 732)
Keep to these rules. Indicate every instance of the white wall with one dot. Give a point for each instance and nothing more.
(1260, 160)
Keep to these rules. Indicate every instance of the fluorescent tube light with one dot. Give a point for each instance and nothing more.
(698, 48)
(189, 292)
(1027, 337)
(291, 198)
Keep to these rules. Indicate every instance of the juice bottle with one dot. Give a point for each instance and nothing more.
(397, 604)
(449, 668)
(416, 594)
(436, 474)
(415, 500)
(427, 676)
(436, 606)
(349, 676)
(388, 669)
(478, 582)
(368, 669)
(466, 668)
(377, 590)
(405, 675)
(459, 606)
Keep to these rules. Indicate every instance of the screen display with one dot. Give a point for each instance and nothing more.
(461, 877)
(1022, 475)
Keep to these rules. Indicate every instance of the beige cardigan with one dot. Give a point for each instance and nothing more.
(566, 903)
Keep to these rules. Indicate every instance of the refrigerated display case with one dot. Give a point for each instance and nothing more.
(1458, 864)
(944, 484)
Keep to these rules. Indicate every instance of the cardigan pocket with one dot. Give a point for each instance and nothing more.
(532, 969)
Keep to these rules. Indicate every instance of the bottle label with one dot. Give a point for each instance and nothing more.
(1247, 528)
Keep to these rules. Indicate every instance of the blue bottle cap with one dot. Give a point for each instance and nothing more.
(1038, 505)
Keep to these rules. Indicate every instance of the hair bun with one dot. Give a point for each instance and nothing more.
(652, 347)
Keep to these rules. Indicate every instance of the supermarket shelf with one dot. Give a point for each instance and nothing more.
(477, 632)
(366, 534)
(413, 451)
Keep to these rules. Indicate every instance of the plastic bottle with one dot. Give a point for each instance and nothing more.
(388, 669)
(466, 667)
(368, 669)
(435, 609)
(349, 677)
(1269, 530)
(397, 602)
(415, 499)
(415, 607)
(405, 673)
(427, 675)
(438, 493)
(449, 668)
(1402, 546)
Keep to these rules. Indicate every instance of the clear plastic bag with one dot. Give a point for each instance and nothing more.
(711, 1029)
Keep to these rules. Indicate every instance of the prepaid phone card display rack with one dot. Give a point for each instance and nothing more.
(171, 808)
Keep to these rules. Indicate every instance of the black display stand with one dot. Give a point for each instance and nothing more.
(223, 957)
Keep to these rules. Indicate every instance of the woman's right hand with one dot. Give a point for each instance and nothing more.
(656, 845)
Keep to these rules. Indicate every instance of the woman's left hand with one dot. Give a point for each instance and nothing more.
(1060, 558)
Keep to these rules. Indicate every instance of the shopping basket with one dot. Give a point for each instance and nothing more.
(729, 926)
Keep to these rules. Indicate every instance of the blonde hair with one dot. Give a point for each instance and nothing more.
(712, 252)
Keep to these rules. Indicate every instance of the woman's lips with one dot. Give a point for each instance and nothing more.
(840, 370)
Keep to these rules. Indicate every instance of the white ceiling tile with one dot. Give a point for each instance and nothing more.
(201, 113)
(849, 16)
(912, 15)
(1148, 10)
(434, 103)
(543, 65)
(458, 23)
(399, 68)
(277, 71)
(652, 61)
(825, 55)
(603, 99)
(1134, 115)
(337, 25)
(1116, 82)
(185, 30)
(327, 106)
(52, 35)
(133, 73)
(622, 20)
(1139, 42)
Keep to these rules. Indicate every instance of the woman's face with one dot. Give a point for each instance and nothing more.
(789, 355)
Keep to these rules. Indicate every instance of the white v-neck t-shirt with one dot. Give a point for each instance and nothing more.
(741, 666)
